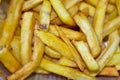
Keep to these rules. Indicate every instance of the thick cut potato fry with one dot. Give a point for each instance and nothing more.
(26, 36)
(66, 62)
(52, 53)
(99, 19)
(44, 15)
(15, 45)
(109, 71)
(55, 43)
(93, 2)
(111, 48)
(111, 26)
(9, 61)
(30, 4)
(11, 21)
(28, 68)
(118, 5)
(70, 34)
(115, 60)
(82, 21)
(62, 12)
(70, 73)
(75, 54)
(86, 55)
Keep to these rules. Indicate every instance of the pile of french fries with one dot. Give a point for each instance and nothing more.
(77, 39)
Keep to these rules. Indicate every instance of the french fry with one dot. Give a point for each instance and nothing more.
(118, 6)
(70, 34)
(11, 21)
(110, 8)
(44, 15)
(17, 31)
(66, 62)
(56, 21)
(28, 68)
(30, 4)
(55, 43)
(9, 61)
(77, 58)
(114, 42)
(70, 73)
(86, 55)
(41, 71)
(111, 26)
(109, 71)
(115, 60)
(68, 4)
(26, 36)
(99, 19)
(92, 2)
(53, 15)
(15, 45)
(37, 8)
(112, 1)
(91, 9)
(52, 53)
(82, 21)
(62, 12)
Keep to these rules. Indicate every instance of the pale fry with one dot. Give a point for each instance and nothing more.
(70, 34)
(26, 36)
(30, 4)
(11, 21)
(62, 12)
(15, 45)
(77, 58)
(111, 26)
(66, 62)
(9, 61)
(82, 21)
(99, 19)
(86, 55)
(70, 73)
(55, 43)
(52, 53)
(28, 68)
(44, 15)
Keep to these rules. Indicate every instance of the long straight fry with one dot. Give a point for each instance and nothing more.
(26, 36)
(76, 56)
(62, 12)
(118, 6)
(82, 21)
(64, 71)
(11, 21)
(44, 15)
(99, 19)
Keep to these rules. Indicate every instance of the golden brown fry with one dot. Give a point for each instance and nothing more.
(70, 73)
(82, 21)
(52, 53)
(112, 1)
(99, 19)
(26, 36)
(93, 2)
(15, 45)
(30, 4)
(110, 8)
(9, 61)
(62, 12)
(11, 21)
(111, 26)
(55, 43)
(83, 49)
(70, 34)
(28, 68)
(44, 15)
(66, 62)
(118, 5)
(77, 58)
(109, 71)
